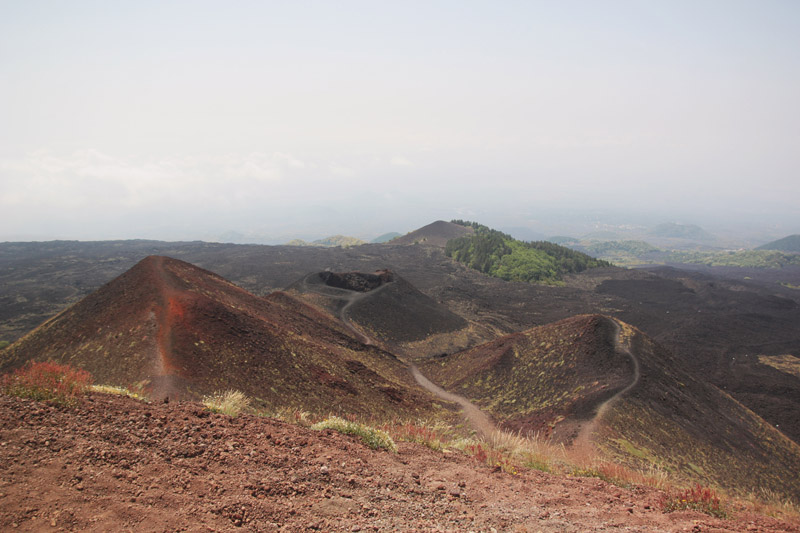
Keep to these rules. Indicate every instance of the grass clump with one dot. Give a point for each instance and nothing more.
(119, 391)
(419, 432)
(697, 498)
(231, 402)
(374, 438)
(48, 382)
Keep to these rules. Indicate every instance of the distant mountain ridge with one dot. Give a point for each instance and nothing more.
(681, 231)
(789, 244)
(330, 242)
(386, 237)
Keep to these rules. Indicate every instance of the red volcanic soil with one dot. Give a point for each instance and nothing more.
(114, 464)
(181, 331)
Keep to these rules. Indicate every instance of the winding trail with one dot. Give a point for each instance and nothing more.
(584, 439)
(479, 420)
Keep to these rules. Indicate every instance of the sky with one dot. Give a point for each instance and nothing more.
(193, 119)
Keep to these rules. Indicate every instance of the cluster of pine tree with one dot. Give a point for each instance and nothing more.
(500, 255)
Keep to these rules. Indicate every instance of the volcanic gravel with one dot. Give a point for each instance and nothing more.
(118, 464)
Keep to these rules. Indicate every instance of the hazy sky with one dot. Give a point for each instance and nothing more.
(187, 119)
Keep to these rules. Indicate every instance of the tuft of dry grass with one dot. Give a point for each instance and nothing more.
(433, 436)
(374, 438)
(770, 503)
(48, 382)
(231, 402)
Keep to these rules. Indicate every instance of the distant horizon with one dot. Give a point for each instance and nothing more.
(186, 120)
(601, 233)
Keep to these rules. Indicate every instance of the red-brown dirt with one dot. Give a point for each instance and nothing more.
(117, 464)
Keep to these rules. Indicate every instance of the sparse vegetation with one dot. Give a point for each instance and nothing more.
(374, 438)
(433, 436)
(697, 498)
(48, 382)
(4, 344)
(119, 391)
(230, 403)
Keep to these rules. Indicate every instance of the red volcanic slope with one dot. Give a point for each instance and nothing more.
(179, 330)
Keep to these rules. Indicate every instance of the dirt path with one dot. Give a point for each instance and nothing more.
(584, 439)
(479, 420)
(164, 314)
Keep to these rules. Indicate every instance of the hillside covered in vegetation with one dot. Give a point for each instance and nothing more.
(500, 255)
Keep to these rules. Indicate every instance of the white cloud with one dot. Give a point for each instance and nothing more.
(399, 161)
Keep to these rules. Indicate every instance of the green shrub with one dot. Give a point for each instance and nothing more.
(4, 344)
(47, 382)
(374, 438)
(229, 403)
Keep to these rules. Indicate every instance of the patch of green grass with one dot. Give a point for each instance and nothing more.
(119, 391)
(229, 403)
(4, 344)
(374, 438)
(47, 382)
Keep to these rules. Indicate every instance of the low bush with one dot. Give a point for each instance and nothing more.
(230, 403)
(697, 498)
(374, 438)
(47, 382)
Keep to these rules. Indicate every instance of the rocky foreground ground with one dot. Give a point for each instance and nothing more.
(117, 464)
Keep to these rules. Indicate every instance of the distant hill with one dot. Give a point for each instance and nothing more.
(787, 244)
(588, 377)
(620, 253)
(181, 331)
(499, 255)
(330, 242)
(435, 234)
(386, 237)
(605, 248)
(673, 230)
